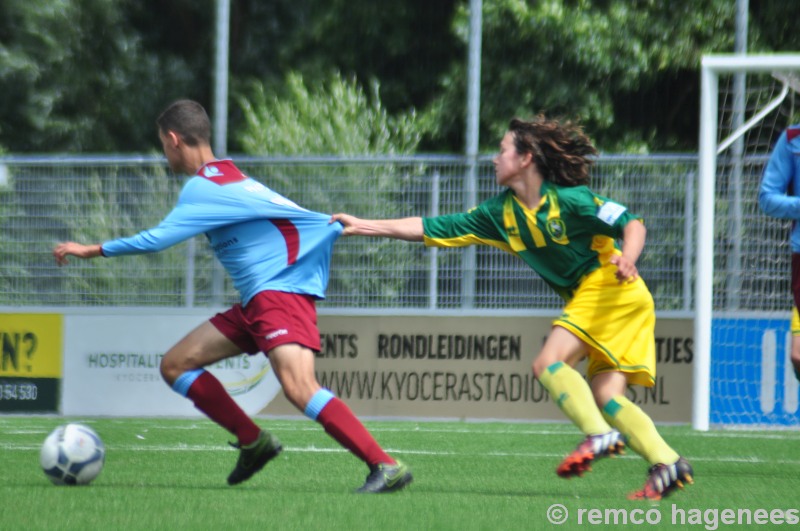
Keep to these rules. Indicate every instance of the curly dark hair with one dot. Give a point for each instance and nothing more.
(561, 150)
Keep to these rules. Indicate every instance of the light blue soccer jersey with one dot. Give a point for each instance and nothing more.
(264, 240)
(779, 195)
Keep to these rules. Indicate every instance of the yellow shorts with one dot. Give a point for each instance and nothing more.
(617, 322)
(795, 326)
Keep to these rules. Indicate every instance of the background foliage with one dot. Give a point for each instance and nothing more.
(91, 75)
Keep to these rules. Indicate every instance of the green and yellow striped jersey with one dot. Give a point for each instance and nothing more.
(571, 233)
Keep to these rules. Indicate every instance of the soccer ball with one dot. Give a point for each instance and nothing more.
(72, 454)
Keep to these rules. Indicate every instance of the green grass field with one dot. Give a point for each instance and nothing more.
(170, 474)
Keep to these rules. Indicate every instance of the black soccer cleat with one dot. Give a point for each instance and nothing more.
(254, 457)
(386, 478)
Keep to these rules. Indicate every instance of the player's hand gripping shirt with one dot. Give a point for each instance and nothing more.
(780, 184)
(571, 232)
(264, 241)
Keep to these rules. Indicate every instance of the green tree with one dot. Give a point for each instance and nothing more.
(336, 117)
(75, 76)
(404, 45)
(581, 58)
(91, 75)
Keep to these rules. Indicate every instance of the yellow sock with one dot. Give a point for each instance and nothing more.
(639, 431)
(572, 394)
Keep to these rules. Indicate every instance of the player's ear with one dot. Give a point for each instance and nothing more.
(173, 138)
(169, 138)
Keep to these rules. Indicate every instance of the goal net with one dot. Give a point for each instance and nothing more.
(742, 374)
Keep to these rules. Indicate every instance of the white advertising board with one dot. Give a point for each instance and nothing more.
(381, 366)
(111, 367)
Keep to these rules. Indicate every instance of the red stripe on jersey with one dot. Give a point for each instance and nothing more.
(291, 236)
(792, 132)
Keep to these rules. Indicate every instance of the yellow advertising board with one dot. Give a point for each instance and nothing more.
(31, 345)
(30, 361)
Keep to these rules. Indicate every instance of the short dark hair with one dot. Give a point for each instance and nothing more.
(188, 119)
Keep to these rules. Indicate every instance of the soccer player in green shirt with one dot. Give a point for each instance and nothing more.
(568, 234)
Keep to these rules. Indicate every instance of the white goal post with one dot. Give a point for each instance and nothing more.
(729, 220)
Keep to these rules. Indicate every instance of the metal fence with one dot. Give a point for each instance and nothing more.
(44, 200)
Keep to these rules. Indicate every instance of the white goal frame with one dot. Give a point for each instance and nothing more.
(711, 67)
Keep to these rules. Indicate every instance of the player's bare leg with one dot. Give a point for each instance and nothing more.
(668, 470)
(182, 368)
(294, 366)
(572, 394)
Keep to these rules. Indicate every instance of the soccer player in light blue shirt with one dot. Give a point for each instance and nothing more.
(244, 220)
(278, 255)
(779, 197)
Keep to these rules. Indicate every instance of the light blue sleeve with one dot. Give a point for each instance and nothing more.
(200, 208)
(779, 175)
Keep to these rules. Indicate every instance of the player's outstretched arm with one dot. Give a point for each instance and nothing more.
(409, 229)
(64, 249)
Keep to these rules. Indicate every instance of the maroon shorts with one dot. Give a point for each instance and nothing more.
(270, 319)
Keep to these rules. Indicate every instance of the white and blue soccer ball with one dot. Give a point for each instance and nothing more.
(72, 454)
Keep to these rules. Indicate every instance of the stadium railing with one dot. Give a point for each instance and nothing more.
(46, 199)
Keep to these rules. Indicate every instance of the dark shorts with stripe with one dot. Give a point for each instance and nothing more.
(271, 319)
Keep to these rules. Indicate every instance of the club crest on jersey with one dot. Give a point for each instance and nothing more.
(211, 171)
(556, 229)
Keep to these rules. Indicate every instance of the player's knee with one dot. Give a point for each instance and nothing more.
(172, 367)
(603, 396)
(168, 370)
(300, 393)
(540, 364)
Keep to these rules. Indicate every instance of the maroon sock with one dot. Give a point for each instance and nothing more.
(210, 397)
(341, 424)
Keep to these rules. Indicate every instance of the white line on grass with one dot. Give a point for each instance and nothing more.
(780, 435)
(776, 435)
(433, 453)
(549, 430)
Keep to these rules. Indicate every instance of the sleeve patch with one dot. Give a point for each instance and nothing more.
(610, 212)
